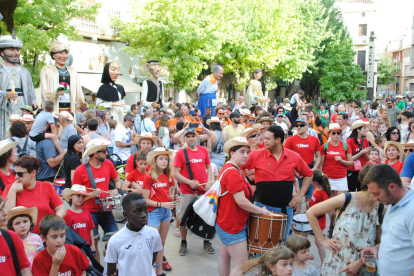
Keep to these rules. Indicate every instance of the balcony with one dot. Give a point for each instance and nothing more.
(361, 40)
(409, 73)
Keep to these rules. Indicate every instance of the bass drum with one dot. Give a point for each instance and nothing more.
(196, 225)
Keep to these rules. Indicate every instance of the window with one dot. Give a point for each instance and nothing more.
(362, 29)
(363, 14)
(361, 58)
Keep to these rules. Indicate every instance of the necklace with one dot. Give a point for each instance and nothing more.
(62, 72)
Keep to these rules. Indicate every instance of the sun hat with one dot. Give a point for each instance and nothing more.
(145, 135)
(359, 123)
(27, 108)
(246, 133)
(13, 117)
(257, 125)
(95, 145)
(21, 210)
(213, 120)
(76, 189)
(236, 141)
(410, 143)
(7, 145)
(399, 96)
(398, 145)
(245, 112)
(265, 119)
(287, 106)
(158, 151)
(27, 118)
(334, 126)
(66, 115)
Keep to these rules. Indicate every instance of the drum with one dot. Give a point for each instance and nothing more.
(265, 231)
(110, 203)
(300, 223)
(59, 185)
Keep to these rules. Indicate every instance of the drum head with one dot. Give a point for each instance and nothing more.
(300, 218)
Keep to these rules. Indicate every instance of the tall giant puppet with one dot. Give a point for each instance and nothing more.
(254, 91)
(60, 83)
(207, 90)
(16, 85)
(152, 88)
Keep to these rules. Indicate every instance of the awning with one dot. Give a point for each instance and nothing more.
(92, 82)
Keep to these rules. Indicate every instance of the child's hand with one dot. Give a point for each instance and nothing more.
(59, 256)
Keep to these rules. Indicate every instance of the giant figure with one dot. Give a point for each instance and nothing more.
(207, 91)
(254, 91)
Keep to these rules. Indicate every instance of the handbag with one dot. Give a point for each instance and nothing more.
(357, 163)
(206, 206)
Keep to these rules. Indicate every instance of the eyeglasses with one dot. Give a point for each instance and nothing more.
(252, 121)
(300, 125)
(336, 133)
(19, 174)
(254, 135)
(410, 150)
(395, 133)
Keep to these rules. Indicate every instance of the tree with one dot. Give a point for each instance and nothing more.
(39, 22)
(341, 77)
(386, 70)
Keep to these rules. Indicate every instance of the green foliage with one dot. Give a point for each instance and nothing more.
(341, 77)
(39, 22)
(386, 70)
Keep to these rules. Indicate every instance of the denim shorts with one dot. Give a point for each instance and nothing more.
(229, 239)
(156, 216)
(106, 220)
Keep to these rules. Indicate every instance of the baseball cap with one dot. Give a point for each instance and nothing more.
(234, 114)
(279, 115)
(192, 112)
(190, 130)
(301, 120)
(254, 102)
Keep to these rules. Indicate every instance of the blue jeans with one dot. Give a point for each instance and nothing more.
(279, 210)
(106, 220)
(309, 192)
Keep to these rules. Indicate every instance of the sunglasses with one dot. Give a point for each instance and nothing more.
(104, 150)
(409, 150)
(19, 174)
(220, 113)
(336, 133)
(252, 121)
(254, 135)
(395, 133)
(300, 125)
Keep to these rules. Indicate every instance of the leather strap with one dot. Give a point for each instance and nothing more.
(91, 179)
(12, 249)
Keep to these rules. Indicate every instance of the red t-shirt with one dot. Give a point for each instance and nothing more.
(199, 159)
(7, 180)
(305, 147)
(130, 163)
(230, 216)
(262, 146)
(319, 196)
(332, 168)
(398, 166)
(102, 176)
(74, 263)
(159, 190)
(82, 223)
(43, 196)
(137, 177)
(6, 260)
(372, 163)
(333, 119)
(354, 147)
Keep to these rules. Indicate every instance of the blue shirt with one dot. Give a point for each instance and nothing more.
(396, 253)
(137, 124)
(45, 149)
(206, 88)
(408, 169)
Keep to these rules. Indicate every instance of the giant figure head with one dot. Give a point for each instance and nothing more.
(154, 68)
(10, 48)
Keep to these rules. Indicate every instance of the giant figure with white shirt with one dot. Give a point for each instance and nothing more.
(152, 88)
(207, 90)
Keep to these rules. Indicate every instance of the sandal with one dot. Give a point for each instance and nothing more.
(311, 257)
(177, 232)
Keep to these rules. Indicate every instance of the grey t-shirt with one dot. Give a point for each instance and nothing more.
(309, 271)
(41, 123)
(103, 129)
(31, 145)
(393, 114)
(80, 117)
(45, 149)
(68, 131)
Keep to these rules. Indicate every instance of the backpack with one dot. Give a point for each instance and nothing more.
(22, 151)
(325, 147)
(320, 134)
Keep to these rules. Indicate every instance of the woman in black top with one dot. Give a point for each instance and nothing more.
(72, 158)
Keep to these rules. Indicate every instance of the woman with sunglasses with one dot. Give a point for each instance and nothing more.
(393, 134)
(394, 151)
(72, 158)
(28, 192)
(336, 158)
(408, 149)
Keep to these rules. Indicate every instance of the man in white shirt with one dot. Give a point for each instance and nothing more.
(123, 139)
(147, 125)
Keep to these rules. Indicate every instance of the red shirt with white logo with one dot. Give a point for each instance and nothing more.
(355, 148)
(199, 159)
(82, 223)
(6, 260)
(137, 177)
(131, 163)
(317, 197)
(332, 168)
(102, 176)
(159, 190)
(306, 147)
(7, 179)
(74, 263)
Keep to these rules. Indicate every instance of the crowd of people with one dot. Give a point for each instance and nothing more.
(63, 165)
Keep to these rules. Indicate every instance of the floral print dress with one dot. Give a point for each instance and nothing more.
(355, 230)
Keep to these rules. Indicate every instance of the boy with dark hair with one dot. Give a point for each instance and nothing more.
(58, 258)
(135, 180)
(136, 245)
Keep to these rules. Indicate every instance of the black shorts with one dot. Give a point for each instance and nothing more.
(38, 138)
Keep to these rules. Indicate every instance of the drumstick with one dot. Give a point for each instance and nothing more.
(207, 183)
(3, 203)
(96, 190)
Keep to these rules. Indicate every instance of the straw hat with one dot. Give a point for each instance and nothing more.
(145, 135)
(410, 143)
(57, 47)
(158, 151)
(27, 118)
(65, 115)
(7, 145)
(257, 125)
(20, 210)
(76, 190)
(359, 123)
(246, 133)
(213, 120)
(95, 145)
(398, 145)
(245, 112)
(266, 119)
(236, 141)
(287, 107)
(334, 126)
(13, 117)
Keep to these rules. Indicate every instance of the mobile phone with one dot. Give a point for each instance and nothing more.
(193, 125)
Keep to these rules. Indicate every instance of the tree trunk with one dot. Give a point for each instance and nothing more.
(36, 59)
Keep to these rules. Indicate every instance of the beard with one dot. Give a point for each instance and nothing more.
(237, 122)
(9, 58)
(101, 159)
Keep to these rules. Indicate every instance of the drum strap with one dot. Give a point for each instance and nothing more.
(248, 185)
(188, 163)
(91, 179)
(2, 185)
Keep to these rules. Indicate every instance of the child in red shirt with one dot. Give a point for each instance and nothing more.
(58, 258)
(321, 193)
(76, 217)
(374, 156)
(135, 180)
